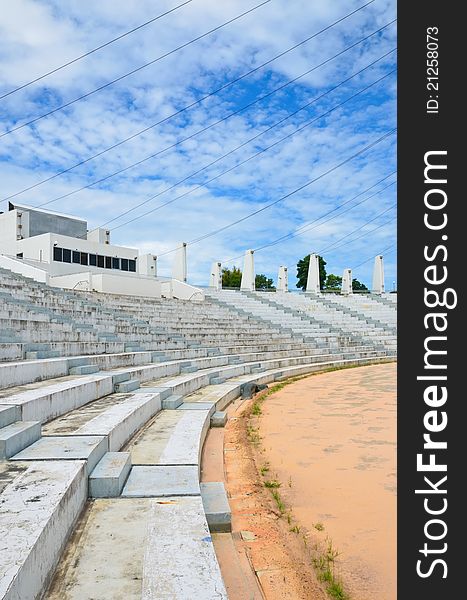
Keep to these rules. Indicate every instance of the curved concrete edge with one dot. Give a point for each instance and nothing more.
(46, 403)
(120, 422)
(37, 513)
(31, 371)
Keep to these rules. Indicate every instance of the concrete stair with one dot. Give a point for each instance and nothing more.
(126, 390)
(17, 436)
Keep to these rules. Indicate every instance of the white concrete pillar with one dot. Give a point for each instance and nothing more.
(147, 265)
(283, 280)
(312, 282)
(347, 282)
(179, 265)
(215, 280)
(248, 273)
(377, 286)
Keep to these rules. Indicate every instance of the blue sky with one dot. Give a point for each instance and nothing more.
(37, 36)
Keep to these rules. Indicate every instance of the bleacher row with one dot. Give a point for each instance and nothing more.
(112, 396)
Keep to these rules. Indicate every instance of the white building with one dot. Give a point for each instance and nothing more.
(59, 250)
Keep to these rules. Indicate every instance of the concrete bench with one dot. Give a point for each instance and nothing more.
(179, 559)
(120, 422)
(37, 511)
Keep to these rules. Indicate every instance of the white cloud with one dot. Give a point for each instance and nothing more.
(37, 36)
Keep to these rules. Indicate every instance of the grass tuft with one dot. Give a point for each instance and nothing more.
(256, 409)
(295, 529)
(279, 502)
(272, 483)
(323, 563)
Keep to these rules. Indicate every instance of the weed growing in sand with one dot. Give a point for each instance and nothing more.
(331, 553)
(279, 501)
(289, 482)
(295, 529)
(323, 563)
(272, 483)
(318, 526)
(256, 409)
(264, 469)
(253, 434)
(335, 590)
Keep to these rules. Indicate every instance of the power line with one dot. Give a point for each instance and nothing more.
(305, 185)
(307, 227)
(281, 121)
(151, 62)
(351, 233)
(74, 60)
(178, 112)
(307, 124)
(390, 247)
(331, 246)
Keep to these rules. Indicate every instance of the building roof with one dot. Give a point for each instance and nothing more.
(12, 206)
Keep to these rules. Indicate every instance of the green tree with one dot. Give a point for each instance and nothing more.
(302, 271)
(333, 282)
(231, 278)
(264, 283)
(358, 287)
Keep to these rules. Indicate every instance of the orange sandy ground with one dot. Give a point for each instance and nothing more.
(330, 440)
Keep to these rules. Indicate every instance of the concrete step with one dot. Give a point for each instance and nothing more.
(127, 386)
(84, 370)
(160, 358)
(89, 449)
(9, 414)
(174, 437)
(110, 474)
(172, 402)
(189, 369)
(40, 354)
(216, 507)
(121, 421)
(120, 377)
(219, 419)
(17, 436)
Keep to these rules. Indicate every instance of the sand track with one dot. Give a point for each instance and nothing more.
(330, 439)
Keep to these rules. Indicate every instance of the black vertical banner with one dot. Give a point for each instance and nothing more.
(432, 325)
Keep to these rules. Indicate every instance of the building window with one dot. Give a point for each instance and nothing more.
(94, 260)
(19, 255)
